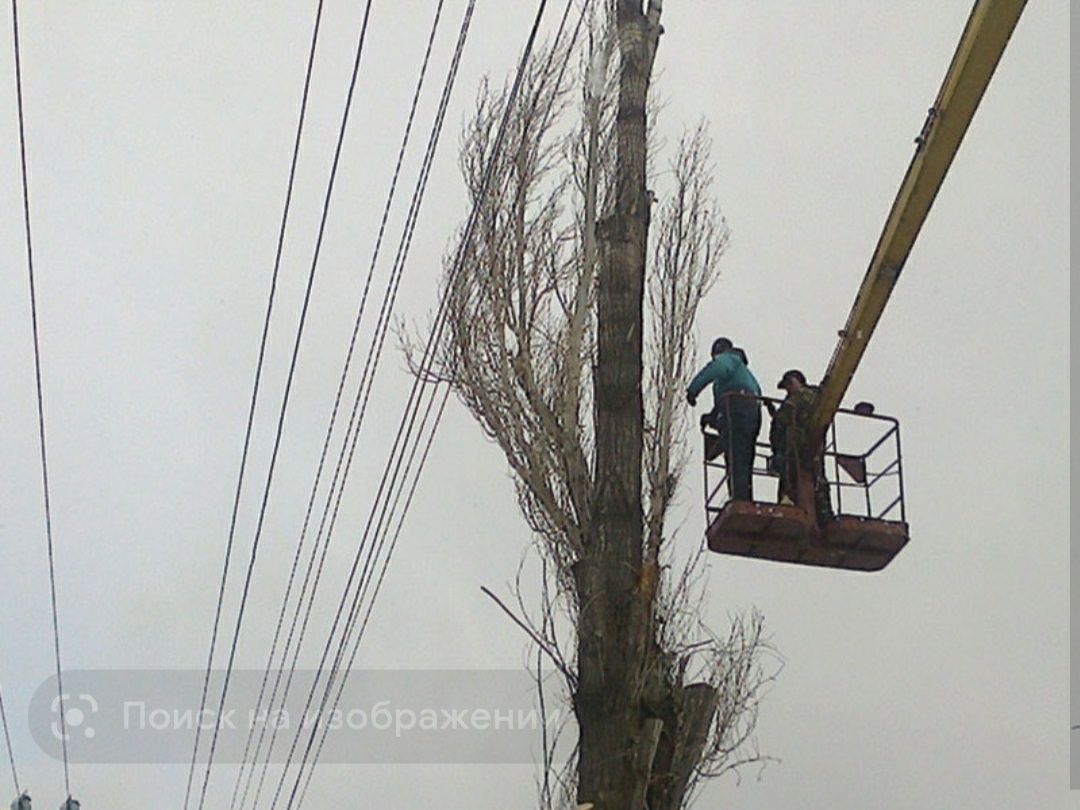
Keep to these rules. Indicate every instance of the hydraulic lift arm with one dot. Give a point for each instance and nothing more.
(987, 32)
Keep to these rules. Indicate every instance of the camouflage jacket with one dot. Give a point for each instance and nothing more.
(791, 425)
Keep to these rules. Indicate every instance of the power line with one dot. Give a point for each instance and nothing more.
(397, 466)
(360, 401)
(40, 398)
(365, 582)
(408, 422)
(365, 578)
(10, 749)
(438, 416)
(288, 390)
(332, 423)
(255, 388)
(378, 583)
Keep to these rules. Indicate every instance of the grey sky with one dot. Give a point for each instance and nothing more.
(159, 138)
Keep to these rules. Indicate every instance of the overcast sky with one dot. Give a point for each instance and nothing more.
(159, 137)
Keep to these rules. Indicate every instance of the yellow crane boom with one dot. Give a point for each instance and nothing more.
(988, 29)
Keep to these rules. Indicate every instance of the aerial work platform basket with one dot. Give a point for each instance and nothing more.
(864, 471)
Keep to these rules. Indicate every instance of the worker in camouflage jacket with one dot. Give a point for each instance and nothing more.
(793, 447)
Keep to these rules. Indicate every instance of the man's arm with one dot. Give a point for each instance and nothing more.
(718, 369)
(803, 409)
(784, 413)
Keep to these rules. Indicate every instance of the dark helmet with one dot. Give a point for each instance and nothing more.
(721, 345)
(791, 373)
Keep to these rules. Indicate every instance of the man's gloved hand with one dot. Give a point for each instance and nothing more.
(691, 399)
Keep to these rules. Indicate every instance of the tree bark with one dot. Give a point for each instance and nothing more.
(690, 715)
(618, 738)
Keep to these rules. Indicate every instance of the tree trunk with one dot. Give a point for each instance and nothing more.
(690, 715)
(618, 738)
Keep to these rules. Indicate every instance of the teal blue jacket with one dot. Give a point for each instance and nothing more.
(727, 372)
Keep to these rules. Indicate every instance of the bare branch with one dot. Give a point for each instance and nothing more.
(536, 638)
(520, 350)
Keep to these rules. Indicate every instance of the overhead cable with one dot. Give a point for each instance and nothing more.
(345, 458)
(393, 468)
(329, 434)
(40, 397)
(7, 742)
(285, 396)
(255, 388)
(366, 577)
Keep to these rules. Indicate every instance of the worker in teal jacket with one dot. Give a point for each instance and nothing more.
(736, 414)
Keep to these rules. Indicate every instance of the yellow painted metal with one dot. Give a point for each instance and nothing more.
(988, 29)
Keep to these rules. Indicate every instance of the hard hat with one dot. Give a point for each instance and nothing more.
(791, 372)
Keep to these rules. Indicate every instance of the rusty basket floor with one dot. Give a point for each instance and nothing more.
(768, 531)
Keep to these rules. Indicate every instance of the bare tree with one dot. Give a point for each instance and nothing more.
(549, 346)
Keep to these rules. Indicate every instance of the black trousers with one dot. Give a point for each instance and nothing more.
(738, 421)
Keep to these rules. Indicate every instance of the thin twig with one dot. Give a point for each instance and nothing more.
(533, 635)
